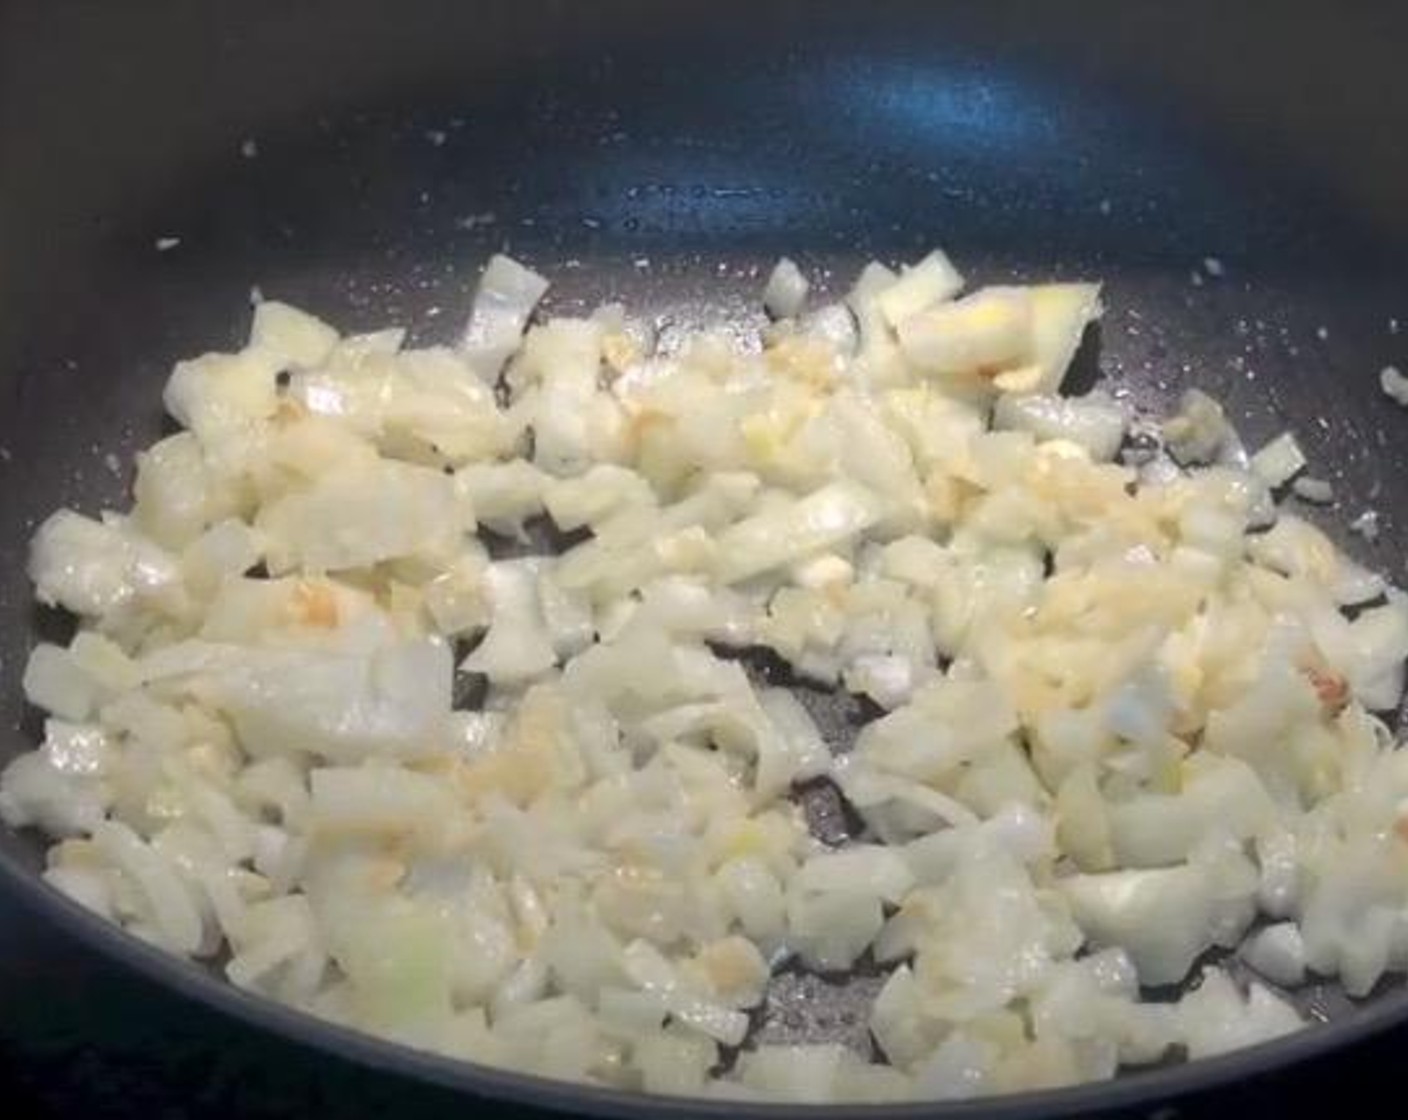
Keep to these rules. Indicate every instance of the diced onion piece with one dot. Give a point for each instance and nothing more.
(1314, 490)
(1161, 918)
(502, 496)
(786, 290)
(507, 294)
(920, 286)
(591, 497)
(343, 707)
(647, 968)
(1279, 461)
(381, 800)
(1215, 1017)
(1378, 650)
(175, 919)
(571, 420)
(94, 567)
(176, 497)
(54, 682)
(863, 867)
(1199, 431)
(834, 325)
(755, 896)
(825, 518)
(397, 958)
(360, 517)
(1277, 952)
(295, 338)
(675, 1062)
(985, 333)
(220, 395)
(1394, 385)
(36, 793)
(832, 929)
(1095, 422)
(1060, 315)
(518, 646)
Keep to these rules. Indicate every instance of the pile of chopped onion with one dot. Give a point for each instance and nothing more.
(527, 805)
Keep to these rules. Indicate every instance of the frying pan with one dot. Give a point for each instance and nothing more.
(1235, 173)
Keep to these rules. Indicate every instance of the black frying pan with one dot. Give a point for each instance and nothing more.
(665, 155)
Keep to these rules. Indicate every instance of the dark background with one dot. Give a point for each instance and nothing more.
(665, 153)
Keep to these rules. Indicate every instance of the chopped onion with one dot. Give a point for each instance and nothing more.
(933, 280)
(296, 338)
(518, 646)
(1199, 431)
(985, 333)
(1095, 422)
(786, 290)
(1394, 385)
(823, 519)
(1315, 490)
(1125, 703)
(1061, 313)
(1161, 918)
(1279, 461)
(507, 294)
(1277, 952)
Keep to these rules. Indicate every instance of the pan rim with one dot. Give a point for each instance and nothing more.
(1161, 1086)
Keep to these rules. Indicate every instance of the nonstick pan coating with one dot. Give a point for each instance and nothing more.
(1234, 174)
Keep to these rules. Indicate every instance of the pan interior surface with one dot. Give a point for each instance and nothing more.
(1248, 238)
